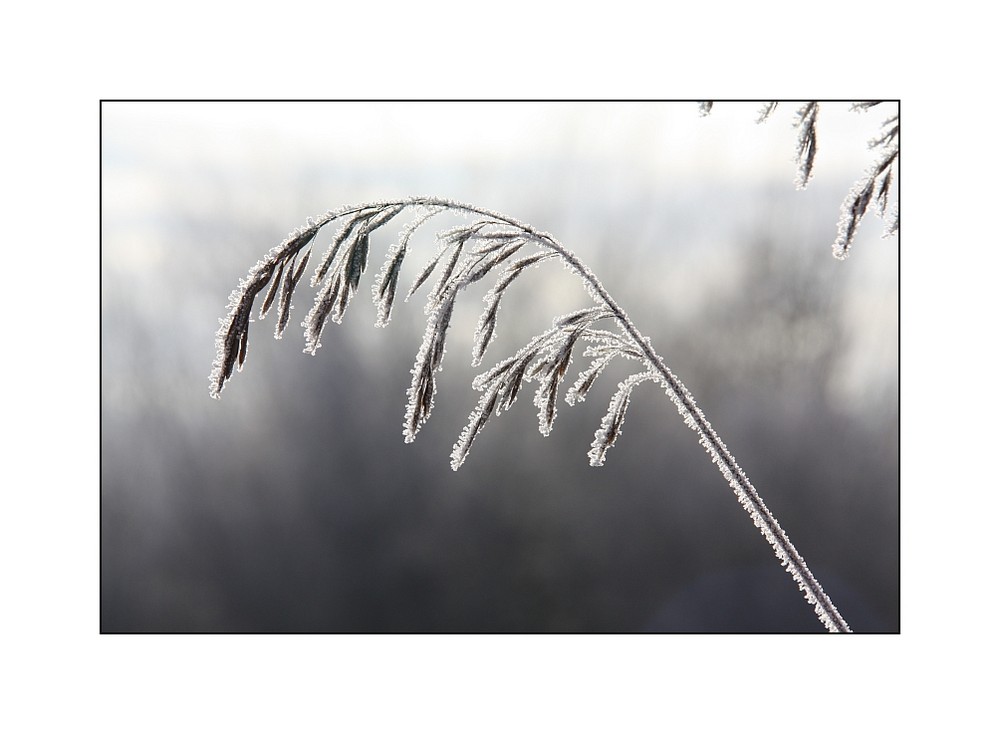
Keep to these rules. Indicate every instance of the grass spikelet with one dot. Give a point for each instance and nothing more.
(316, 318)
(486, 328)
(383, 217)
(611, 424)
(385, 293)
(489, 260)
(766, 111)
(428, 269)
(477, 421)
(882, 195)
(273, 290)
(444, 282)
(288, 284)
(342, 235)
(420, 396)
(852, 210)
(358, 261)
(578, 392)
(231, 332)
(806, 155)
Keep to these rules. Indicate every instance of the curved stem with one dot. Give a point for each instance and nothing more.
(686, 406)
(746, 493)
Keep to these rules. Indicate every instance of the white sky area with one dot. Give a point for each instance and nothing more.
(652, 136)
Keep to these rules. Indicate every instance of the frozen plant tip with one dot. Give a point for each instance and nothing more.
(493, 243)
(875, 186)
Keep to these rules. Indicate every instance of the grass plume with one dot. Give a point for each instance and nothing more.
(466, 254)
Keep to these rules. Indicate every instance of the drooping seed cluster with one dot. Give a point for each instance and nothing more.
(465, 255)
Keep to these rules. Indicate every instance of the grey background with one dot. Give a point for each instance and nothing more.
(293, 504)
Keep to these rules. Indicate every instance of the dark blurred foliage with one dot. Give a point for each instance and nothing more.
(293, 504)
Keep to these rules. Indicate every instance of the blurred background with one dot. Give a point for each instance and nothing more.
(293, 504)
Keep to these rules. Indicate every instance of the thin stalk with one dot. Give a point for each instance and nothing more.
(745, 492)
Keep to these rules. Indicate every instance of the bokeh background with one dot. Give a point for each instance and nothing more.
(293, 505)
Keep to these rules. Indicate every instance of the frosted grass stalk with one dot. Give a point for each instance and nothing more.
(547, 356)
